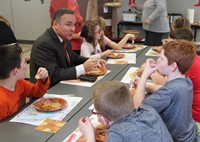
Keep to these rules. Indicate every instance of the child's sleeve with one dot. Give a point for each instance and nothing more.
(36, 90)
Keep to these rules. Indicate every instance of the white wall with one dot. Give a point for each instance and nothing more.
(174, 6)
(5, 10)
(29, 19)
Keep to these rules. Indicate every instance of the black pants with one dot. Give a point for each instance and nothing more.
(153, 39)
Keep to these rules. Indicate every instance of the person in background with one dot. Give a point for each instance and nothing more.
(90, 47)
(181, 22)
(13, 88)
(76, 40)
(52, 50)
(6, 33)
(114, 108)
(105, 41)
(173, 101)
(154, 21)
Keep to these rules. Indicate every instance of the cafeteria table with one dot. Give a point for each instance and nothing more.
(84, 111)
(72, 124)
(19, 132)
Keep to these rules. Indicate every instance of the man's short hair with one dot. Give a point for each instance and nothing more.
(59, 13)
(10, 58)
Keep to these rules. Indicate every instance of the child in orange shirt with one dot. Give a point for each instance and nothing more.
(13, 88)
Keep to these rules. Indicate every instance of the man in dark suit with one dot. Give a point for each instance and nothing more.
(52, 50)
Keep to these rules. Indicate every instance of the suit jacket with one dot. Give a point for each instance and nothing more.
(48, 52)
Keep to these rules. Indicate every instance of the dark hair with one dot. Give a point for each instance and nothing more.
(88, 31)
(59, 13)
(181, 22)
(10, 58)
(182, 33)
(113, 100)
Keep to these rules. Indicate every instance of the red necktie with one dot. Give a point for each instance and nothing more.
(65, 47)
(131, 1)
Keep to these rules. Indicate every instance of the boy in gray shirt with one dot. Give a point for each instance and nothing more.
(114, 108)
(173, 101)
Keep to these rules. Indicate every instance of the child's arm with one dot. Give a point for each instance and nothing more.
(152, 87)
(106, 53)
(87, 129)
(119, 45)
(139, 96)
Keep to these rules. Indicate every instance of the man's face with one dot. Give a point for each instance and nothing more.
(65, 27)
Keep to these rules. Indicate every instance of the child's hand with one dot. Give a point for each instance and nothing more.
(133, 83)
(87, 128)
(131, 37)
(149, 68)
(42, 74)
(107, 52)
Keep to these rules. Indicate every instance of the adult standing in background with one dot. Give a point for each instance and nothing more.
(52, 50)
(6, 33)
(154, 21)
(92, 10)
(76, 40)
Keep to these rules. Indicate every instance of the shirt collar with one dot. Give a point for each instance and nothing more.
(61, 40)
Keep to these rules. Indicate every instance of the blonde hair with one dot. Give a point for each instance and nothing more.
(4, 20)
(113, 100)
(101, 21)
(181, 22)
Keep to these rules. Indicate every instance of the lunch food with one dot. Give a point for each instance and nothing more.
(154, 53)
(128, 46)
(157, 48)
(50, 104)
(116, 55)
(100, 134)
(121, 62)
(136, 73)
(37, 77)
(99, 71)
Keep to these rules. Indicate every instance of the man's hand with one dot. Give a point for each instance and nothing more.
(93, 64)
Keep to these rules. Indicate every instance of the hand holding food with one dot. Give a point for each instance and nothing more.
(150, 67)
(42, 74)
(93, 64)
(87, 128)
(107, 52)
